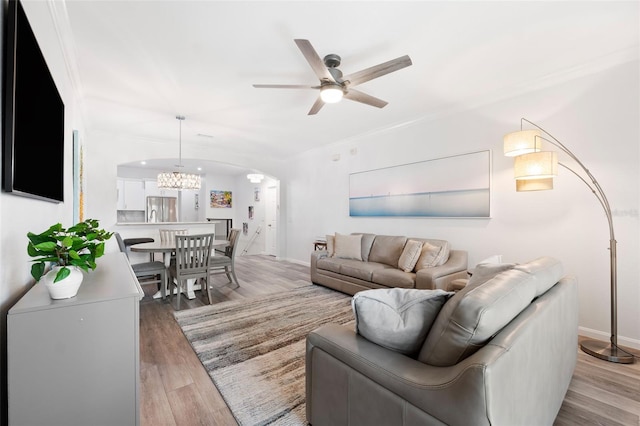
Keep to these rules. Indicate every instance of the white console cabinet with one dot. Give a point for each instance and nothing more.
(76, 361)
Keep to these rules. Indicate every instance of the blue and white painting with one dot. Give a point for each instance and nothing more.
(457, 186)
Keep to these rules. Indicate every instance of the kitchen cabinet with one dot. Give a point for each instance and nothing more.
(77, 361)
(131, 194)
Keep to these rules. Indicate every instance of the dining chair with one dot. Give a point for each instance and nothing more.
(168, 235)
(226, 264)
(147, 269)
(192, 262)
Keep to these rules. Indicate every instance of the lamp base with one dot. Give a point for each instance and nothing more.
(607, 352)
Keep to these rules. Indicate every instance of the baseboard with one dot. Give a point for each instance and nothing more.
(299, 262)
(599, 335)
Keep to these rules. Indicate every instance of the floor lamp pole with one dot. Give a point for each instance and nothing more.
(608, 351)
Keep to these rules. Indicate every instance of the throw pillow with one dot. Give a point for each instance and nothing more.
(397, 319)
(330, 246)
(428, 256)
(348, 246)
(443, 256)
(410, 255)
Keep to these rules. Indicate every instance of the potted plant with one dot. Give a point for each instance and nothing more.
(69, 251)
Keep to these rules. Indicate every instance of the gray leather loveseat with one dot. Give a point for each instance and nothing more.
(501, 352)
(375, 265)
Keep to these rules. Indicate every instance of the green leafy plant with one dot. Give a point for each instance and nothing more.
(80, 246)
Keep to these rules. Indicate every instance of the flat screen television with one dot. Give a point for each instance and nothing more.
(33, 140)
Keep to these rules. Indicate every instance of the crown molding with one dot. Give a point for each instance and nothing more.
(62, 25)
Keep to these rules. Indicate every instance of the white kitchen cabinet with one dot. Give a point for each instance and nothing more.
(131, 194)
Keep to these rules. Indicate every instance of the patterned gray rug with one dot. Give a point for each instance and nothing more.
(254, 349)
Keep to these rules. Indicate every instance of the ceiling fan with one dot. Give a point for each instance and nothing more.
(333, 85)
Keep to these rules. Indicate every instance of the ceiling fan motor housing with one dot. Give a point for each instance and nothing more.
(332, 60)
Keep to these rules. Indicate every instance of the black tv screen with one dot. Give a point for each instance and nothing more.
(33, 142)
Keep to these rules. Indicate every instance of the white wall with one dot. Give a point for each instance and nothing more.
(595, 116)
(19, 215)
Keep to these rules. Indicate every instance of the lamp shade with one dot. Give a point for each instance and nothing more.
(522, 142)
(523, 185)
(537, 165)
(331, 93)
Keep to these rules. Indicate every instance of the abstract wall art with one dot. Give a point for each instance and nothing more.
(455, 186)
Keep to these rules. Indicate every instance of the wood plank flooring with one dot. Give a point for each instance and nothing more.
(176, 389)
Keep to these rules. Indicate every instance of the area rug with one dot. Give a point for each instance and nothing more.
(254, 349)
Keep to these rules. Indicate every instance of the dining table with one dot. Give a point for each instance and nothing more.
(168, 247)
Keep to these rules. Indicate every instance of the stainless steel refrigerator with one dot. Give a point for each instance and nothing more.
(162, 209)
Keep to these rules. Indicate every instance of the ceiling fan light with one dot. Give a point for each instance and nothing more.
(331, 93)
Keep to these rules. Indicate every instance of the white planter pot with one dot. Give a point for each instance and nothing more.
(66, 288)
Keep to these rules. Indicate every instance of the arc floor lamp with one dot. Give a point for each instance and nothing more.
(534, 170)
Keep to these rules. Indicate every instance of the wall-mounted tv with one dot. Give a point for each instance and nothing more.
(33, 142)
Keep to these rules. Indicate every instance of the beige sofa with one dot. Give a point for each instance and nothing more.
(501, 352)
(377, 266)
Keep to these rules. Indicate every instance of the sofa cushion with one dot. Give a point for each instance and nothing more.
(348, 246)
(471, 317)
(367, 242)
(392, 277)
(428, 256)
(360, 269)
(387, 249)
(397, 319)
(546, 272)
(330, 264)
(410, 255)
(483, 272)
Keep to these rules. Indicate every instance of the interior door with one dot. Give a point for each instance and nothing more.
(271, 215)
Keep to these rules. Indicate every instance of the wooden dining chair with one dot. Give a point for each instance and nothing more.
(192, 262)
(147, 270)
(226, 264)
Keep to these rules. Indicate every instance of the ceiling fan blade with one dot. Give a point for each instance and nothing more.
(316, 106)
(378, 70)
(314, 60)
(358, 96)
(284, 86)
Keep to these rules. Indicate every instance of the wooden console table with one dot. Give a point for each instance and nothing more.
(77, 361)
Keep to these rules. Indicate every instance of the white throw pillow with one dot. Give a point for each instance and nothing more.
(428, 256)
(330, 246)
(397, 318)
(410, 255)
(348, 246)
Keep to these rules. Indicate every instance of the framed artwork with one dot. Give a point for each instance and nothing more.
(456, 186)
(221, 199)
(78, 179)
(251, 212)
(256, 194)
(245, 228)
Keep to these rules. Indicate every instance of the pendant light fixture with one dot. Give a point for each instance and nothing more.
(177, 179)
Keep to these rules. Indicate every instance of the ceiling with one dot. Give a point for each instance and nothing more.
(142, 62)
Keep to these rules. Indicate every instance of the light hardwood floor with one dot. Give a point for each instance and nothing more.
(176, 389)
